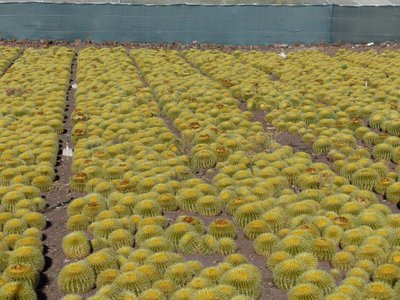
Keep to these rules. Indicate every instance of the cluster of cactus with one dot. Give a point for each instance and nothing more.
(8, 55)
(30, 126)
(162, 275)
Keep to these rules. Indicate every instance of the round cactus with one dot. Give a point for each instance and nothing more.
(208, 206)
(304, 291)
(287, 272)
(76, 245)
(247, 213)
(180, 273)
(148, 231)
(365, 178)
(293, 244)
(212, 274)
(323, 280)
(203, 159)
(42, 182)
(393, 193)
(157, 244)
(27, 255)
(323, 249)
(35, 219)
(221, 228)
(140, 255)
(378, 290)
(187, 198)
(176, 231)
(161, 260)
(166, 286)
(17, 290)
(106, 277)
(76, 277)
(152, 294)
(183, 294)
(387, 273)
(24, 273)
(102, 260)
(342, 260)
(245, 278)
(264, 244)
(226, 246)
(189, 243)
(198, 283)
(255, 228)
(148, 208)
(195, 221)
(120, 238)
(132, 281)
(208, 245)
(78, 181)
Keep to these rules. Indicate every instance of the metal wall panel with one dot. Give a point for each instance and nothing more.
(365, 24)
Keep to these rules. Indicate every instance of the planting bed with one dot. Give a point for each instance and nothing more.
(199, 174)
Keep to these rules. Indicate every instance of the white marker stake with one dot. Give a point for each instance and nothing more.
(67, 151)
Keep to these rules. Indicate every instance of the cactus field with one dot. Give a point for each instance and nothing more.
(152, 173)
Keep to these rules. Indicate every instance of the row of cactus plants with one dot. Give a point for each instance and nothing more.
(33, 96)
(8, 55)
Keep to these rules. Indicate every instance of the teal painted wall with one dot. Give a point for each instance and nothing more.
(236, 25)
(239, 25)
